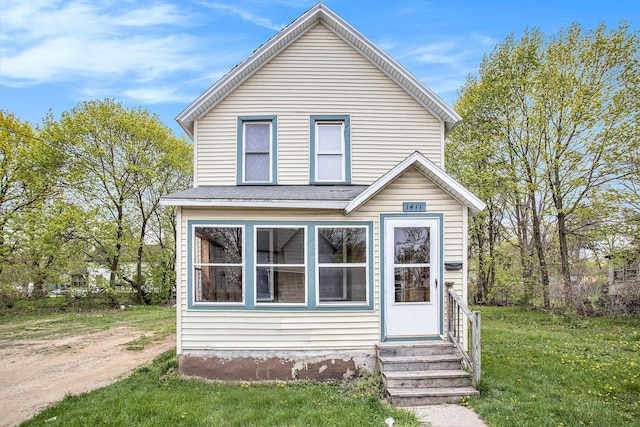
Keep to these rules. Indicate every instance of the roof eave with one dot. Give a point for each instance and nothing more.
(446, 182)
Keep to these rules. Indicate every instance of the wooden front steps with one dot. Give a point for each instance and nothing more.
(423, 373)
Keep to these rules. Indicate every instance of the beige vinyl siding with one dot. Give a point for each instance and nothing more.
(273, 329)
(312, 329)
(319, 74)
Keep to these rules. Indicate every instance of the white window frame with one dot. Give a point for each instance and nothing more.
(269, 303)
(243, 121)
(345, 265)
(197, 265)
(344, 121)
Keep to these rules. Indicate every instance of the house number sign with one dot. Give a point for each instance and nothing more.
(414, 206)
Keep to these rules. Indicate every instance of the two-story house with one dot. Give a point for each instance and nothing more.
(321, 217)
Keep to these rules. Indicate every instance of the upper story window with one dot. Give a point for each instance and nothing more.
(330, 150)
(257, 150)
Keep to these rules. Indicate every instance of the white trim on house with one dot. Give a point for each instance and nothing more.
(318, 13)
(431, 171)
(178, 267)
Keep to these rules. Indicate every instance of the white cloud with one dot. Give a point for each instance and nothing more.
(53, 41)
(25, 21)
(64, 58)
(246, 15)
(158, 95)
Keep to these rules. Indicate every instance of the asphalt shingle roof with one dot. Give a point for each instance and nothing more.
(266, 193)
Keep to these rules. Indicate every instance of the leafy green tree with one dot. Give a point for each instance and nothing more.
(586, 105)
(165, 167)
(121, 161)
(29, 176)
(560, 116)
(496, 126)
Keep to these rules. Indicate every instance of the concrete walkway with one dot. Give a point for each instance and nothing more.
(447, 416)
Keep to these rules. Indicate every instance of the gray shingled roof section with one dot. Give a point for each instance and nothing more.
(266, 192)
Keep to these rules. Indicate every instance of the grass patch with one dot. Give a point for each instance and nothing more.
(542, 369)
(155, 395)
(141, 342)
(156, 319)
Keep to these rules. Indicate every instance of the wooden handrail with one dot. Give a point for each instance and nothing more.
(456, 307)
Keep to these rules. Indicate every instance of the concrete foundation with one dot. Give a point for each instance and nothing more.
(252, 366)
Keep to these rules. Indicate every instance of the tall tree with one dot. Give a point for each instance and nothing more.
(473, 157)
(563, 116)
(164, 167)
(118, 157)
(586, 102)
(28, 177)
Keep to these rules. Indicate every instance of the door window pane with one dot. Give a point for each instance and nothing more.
(412, 284)
(412, 245)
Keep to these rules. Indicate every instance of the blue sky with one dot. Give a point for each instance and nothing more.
(162, 54)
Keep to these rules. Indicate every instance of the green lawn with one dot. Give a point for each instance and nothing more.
(541, 369)
(156, 396)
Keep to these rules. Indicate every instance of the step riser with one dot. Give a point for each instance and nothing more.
(428, 383)
(420, 366)
(415, 351)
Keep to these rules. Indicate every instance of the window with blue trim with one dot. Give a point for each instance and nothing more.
(342, 262)
(330, 150)
(217, 265)
(265, 265)
(280, 265)
(257, 150)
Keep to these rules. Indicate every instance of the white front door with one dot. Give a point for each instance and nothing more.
(411, 277)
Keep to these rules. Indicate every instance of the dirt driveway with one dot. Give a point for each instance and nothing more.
(37, 373)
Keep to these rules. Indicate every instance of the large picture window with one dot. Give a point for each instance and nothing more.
(280, 265)
(217, 265)
(342, 264)
(330, 149)
(257, 146)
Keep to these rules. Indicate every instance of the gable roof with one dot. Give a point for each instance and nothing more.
(318, 13)
(428, 169)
